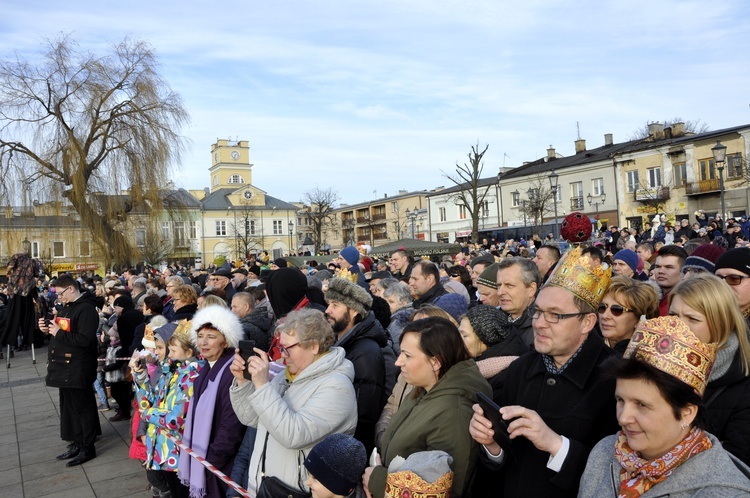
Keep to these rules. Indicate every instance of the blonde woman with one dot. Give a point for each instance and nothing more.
(622, 307)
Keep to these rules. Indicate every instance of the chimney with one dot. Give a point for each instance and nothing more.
(580, 145)
(656, 131)
(608, 139)
(678, 129)
(403, 192)
(550, 152)
(668, 132)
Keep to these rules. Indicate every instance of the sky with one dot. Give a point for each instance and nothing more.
(369, 98)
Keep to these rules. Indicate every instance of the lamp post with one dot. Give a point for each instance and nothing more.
(590, 199)
(553, 178)
(720, 152)
(291, 231)
(412, 216)
(517, 195)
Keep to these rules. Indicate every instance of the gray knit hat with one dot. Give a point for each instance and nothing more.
(489, 276)
(349, 294)
(337, 462)
(489, 323)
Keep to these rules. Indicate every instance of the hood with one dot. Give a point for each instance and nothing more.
(334, 361)
(86, 297)
(285, 289)
(368, 328)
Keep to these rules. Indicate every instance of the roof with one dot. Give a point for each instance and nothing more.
(483, 182)
(379, 200)
(218, 200)
(121, 203)
(41, 222)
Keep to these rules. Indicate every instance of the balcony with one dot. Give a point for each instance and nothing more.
(380, 235)
(378, 217)
(363, 219)
(651, 194)
(702, 187)
(576, 202)
(363, 238)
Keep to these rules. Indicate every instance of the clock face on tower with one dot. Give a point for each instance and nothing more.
(235, 155)
(247, 195)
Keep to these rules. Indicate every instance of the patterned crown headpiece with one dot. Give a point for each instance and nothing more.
(346, 274)
(575, 273)
(182, 332)
(668, 344)
(148, 334)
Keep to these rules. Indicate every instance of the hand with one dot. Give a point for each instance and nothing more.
(258, 366)
(366, 481)
(530, 425)
(134, 364)
(238, 367)
(42, 324)
(480, 429)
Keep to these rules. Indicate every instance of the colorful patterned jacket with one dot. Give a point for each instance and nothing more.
(164, 406)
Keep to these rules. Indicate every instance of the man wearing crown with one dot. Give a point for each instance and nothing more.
(558, 401)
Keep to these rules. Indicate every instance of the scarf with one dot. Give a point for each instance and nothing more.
(724, 357)
(196, 436)
(639, 475)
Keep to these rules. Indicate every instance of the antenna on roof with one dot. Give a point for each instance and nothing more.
(578, 130)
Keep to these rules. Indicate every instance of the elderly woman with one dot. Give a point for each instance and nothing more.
(313, 398)
(211, 426)
(662, 449)
(399, 300)
(184, 302)
(437, 414)
(710, 309)
(622, 307)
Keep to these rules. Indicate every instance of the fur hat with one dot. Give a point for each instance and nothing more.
(350, 254)
(489, 323)
(337, 462)
(221, 319)
(349, 294)
(704, 257)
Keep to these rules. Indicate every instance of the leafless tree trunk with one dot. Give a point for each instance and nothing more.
(320, 204)
(471, 194)
(75, 124)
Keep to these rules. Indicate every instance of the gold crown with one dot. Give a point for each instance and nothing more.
(575, 273)
(182, 332)
(346, 274)
(148, 334)
(409, 483)
(668, 344)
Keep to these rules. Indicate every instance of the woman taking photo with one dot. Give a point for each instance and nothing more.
(211, 422)
(313, 398)
(662, 449)
(709, 307)
(436, 415)
(622, 307)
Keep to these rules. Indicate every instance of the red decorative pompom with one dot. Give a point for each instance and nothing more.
(576, 227)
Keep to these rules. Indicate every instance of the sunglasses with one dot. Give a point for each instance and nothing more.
(732, 279)
(615, 309)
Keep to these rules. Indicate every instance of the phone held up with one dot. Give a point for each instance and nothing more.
(246, 351)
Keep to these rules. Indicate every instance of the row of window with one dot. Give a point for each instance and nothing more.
(221, 227)
(706, 171)
(463, 212)
(58, 249)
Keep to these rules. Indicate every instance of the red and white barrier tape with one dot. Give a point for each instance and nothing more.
(221, 475)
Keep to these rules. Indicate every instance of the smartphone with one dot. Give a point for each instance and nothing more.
(499, 426)
(246, 351)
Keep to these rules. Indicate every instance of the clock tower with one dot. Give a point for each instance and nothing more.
(230, 164)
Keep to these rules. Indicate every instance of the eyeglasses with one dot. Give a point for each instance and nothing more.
(551, 316)
(732, 279)
(60, 294)
(284, 350)
(615, 309)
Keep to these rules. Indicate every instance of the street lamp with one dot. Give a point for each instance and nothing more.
(590, 199)
(291, 230)
(412, 217)
(517, 196)
(720, 152)
(553, 178)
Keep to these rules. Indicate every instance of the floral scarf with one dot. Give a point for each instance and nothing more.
(639, 475)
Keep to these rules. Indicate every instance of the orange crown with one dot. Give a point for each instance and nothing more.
(668, 344)
(576, 274)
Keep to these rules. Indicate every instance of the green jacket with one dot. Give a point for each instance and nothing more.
(436, 420)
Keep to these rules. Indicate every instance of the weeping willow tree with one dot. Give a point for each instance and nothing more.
(75, 125)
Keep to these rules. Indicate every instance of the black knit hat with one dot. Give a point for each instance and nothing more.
(337, 462)
(489, 323)
(736, 259)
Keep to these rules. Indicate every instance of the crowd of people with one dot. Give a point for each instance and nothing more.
(619, 368)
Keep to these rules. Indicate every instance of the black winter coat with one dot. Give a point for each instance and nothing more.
(522, 328)
(71, 357)
(727, 414)
(578, 404)
(510, 346)
(363, 345)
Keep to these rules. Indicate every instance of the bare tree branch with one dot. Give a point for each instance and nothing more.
(471, 195)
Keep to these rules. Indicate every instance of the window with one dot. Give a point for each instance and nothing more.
(462, 212)
(516, 198)
(443, 216)
(708, 171)
(179, 234)
(221, 227)
(278, 227)
(597, 186)
(734, 166)
(533, 193)
(140, 237)
(249, 227)
(216, 180)
(654, 177)
(680, 175)
(632, 180)
(35, 249)
(236, 179)
(576, 195)
(193, 229)
(485, 209)
(58, 249)
(165, 230)
(84, 248)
